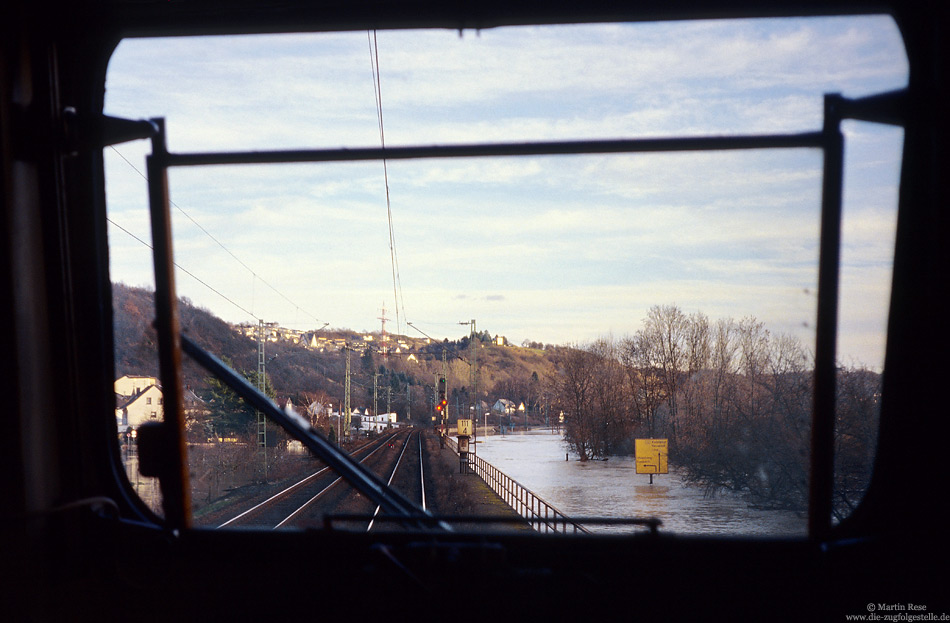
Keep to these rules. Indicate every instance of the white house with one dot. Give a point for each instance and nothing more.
(377, 423)
(145, 406)
(130, 385)
(503, 405)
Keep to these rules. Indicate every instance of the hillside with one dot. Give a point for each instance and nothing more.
(403, 384)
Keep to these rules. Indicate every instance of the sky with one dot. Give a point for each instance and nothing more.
(558, 250)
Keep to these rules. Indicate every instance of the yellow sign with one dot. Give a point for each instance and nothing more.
(465, 428)
(651, 456)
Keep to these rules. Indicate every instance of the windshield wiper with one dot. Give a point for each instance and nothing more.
(358, 476)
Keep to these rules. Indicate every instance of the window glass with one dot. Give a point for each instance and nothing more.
(614, 297)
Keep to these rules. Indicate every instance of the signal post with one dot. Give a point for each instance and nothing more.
(441, 411)
(465, 429)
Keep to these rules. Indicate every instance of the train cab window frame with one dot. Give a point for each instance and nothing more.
(81, 544)
(828, 139)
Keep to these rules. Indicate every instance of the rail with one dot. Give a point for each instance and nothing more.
(541, 515)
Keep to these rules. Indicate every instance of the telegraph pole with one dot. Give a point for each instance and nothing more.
(474, 374)
(346, 398)
(473, 381)
(261, 387)
(444, 377)
(383, 337)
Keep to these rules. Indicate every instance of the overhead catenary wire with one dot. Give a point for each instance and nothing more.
(377, 91)
(189, 273)
(244, 265)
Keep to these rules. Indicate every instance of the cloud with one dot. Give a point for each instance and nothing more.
(505, 84)
(572, 246)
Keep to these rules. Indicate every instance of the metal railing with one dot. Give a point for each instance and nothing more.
(541, 515)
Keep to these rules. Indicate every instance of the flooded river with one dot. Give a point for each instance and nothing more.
(612, 488)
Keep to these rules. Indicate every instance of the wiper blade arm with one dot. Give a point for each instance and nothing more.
(358, 476)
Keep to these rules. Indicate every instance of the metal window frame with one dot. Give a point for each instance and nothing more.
(882, 108)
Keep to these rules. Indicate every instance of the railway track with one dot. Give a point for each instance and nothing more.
(311, 501)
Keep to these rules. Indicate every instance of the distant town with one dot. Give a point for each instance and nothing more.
(381, 342)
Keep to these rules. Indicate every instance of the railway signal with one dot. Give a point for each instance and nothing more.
(441, 402)
(441, 405)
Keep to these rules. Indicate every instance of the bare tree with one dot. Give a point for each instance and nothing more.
(590, 389)
(724, 362)
(575, 396)
(736, 398)
(784, 433)
(856, 427)
(696, 384)
(666, 327)
(645, 388)
(753, 353)
(611, 415)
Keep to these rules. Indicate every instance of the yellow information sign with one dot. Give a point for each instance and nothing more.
(465, 428)
(651, 456)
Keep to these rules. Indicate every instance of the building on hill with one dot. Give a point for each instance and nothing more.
(195, 408)
(130, 385)
(315, 342)
(291, 335)
(286, 404)
(143, 406)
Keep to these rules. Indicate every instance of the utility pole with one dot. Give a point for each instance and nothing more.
(261, 387)
(346, 398)
(473, 381)
(383, 337)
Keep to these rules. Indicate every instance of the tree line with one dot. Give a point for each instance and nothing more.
(733, 399)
